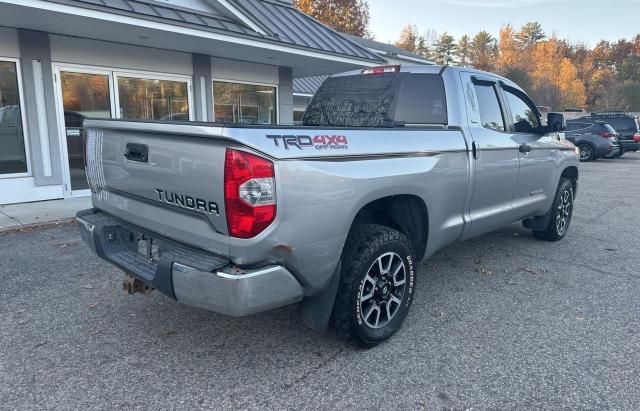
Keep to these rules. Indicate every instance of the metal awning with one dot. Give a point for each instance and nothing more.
(291, 26)
(307, 86)
(152, 24)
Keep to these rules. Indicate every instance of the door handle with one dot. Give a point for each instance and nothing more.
(475, 148)
(524, 148)
(137, 152)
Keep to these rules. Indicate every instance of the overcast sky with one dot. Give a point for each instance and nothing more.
(577, 20)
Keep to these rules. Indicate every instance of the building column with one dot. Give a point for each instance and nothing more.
(40, 107)
(202, 87)
(285, 95)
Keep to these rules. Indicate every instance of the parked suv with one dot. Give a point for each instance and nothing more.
(625, 124)
(595, 139)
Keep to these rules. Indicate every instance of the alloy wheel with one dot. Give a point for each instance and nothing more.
(564, 211)
(585, 153)
(383, 290)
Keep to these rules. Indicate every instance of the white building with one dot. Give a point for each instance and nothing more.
(202, 60)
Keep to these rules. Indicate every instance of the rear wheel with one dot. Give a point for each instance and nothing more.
(376, 286)
(587, 153)
(561, 213)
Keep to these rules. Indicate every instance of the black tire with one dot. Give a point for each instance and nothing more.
(561, 213)
(352, 316)
(587, 152)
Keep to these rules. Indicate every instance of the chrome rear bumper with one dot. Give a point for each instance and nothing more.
(189, 276)
(236, 294)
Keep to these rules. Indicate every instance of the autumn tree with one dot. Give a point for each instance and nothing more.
(509, 56)
(445, 49)
(572, 90)
(554, 71)
(347, 16)
(547, 57)
(408, 38)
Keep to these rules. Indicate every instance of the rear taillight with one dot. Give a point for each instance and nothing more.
(381, 70)
(636, 138)
(606, 134)
(250, 193)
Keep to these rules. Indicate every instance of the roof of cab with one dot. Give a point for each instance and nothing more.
(422, 69)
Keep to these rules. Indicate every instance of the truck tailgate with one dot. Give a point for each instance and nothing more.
(169, 184)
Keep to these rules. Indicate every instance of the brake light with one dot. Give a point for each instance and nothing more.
(636, 138)
(381, 70)
(249, 193)
(606, 134)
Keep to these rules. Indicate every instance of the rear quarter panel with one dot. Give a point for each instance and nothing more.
(321, 190)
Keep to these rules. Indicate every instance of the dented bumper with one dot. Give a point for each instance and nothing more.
(188, 275)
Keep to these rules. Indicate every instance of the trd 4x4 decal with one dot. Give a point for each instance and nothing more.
(320, 142)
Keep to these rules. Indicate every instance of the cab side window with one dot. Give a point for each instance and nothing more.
(525, 118)
(577, 126)
(490, 111)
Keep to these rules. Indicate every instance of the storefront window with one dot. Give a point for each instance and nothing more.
(244, 103)
(145, 99)
(83, 95)
(13, 158)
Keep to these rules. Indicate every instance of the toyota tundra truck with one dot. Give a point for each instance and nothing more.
(392, 164)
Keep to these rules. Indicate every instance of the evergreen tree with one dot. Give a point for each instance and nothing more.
(445, 50)
(463, 51)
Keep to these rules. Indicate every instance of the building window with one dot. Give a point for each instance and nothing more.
(244, 103)
(149, 99)
(13, 156)
(83, 95)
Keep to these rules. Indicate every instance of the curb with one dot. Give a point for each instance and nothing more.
(26, 228)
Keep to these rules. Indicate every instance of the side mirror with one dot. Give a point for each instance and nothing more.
(556, 122)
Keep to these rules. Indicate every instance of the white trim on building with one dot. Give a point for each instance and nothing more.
(233, 10)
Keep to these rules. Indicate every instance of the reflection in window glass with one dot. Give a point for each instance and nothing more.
(244, 103)
(145, 99)
(525, 119)
(490, 113)
(13, 158)
(83, 95)
(297, 117)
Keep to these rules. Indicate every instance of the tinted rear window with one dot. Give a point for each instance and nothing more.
(622, 124)
(421, 100)
(607, 127)
(378, 101)
(571, 126)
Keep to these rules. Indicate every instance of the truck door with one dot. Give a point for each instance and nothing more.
(537, 178)
(495, 156)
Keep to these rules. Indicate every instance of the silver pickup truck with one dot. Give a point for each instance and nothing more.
(392, 164)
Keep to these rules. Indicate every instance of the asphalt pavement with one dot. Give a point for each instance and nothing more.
(502, 321)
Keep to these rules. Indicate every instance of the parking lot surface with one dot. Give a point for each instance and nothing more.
(502, 321)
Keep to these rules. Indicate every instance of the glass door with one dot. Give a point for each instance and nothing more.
(82, 94)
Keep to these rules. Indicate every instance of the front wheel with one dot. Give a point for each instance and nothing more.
(377, 285)
(561, 213)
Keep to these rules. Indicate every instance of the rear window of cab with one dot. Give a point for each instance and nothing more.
(379, 100)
